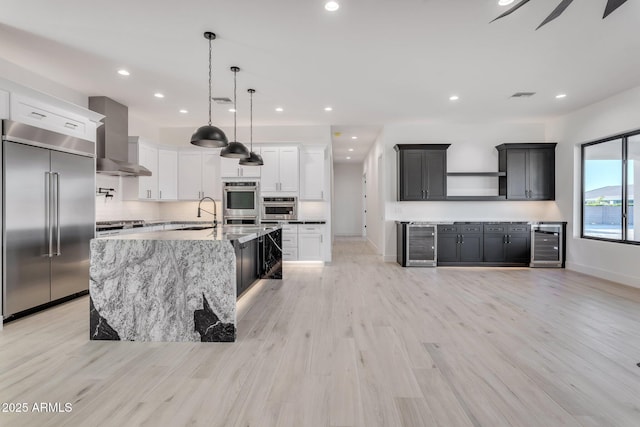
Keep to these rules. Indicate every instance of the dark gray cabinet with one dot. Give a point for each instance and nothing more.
(529, 171)
(246, 265)
(422, 171)
(460, 244)
(506, 243)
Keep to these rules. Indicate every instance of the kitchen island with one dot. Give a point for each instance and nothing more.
(177, 285)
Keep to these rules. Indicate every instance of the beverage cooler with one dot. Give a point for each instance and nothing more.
(417, 244)
(548, 244)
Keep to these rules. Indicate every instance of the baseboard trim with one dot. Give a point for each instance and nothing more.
(604, 274)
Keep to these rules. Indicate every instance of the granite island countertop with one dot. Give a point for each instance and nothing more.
(237, 233)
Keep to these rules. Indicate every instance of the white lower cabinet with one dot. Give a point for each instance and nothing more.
(290, 242)
(311, 242)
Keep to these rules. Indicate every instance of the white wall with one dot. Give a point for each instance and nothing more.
(375, 195)
(614, 115)
(472, 150)
(348, 199)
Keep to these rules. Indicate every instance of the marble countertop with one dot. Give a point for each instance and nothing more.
(240, 234)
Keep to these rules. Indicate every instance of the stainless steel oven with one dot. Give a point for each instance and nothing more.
(279, 208)
(240, 199)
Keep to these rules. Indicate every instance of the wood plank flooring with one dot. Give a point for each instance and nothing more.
(355, 343)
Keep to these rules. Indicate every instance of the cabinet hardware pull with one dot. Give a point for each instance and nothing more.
(160, 194)
(36, 115)
(70, 125)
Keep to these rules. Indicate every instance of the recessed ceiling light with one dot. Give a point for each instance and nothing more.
(332, 6)
(183, 111)
(505, 2)
(454, 98)
(354, 137)
(279, 109)
(328, 109)
(561, 95)
(232, 110)
(348, 158)
(350, 149)
(123, 72)
(158, 95)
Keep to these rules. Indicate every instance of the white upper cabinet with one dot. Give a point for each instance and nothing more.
(189, 175)
(211, 183)
(167, 174)
(312, 166)
(37, 113)
(198, 175)
(231, 168)
(280, 173)
(147, 156)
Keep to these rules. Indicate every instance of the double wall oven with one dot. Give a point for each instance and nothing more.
(240, 202)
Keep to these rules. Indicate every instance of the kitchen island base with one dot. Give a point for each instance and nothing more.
(168, 286)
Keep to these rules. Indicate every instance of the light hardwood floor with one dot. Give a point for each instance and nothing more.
(355, 343)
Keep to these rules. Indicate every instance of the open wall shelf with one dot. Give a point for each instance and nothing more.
(476, 174)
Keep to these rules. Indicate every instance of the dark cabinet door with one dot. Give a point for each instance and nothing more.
(494, 247)
(435, 174)
(447, 247)
(471, 247)
(411, 172)
(238, 248)
(518, 246)
(541, 171)
(517, 182)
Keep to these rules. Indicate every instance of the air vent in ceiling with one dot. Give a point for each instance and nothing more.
(223, 100)
(523, 95)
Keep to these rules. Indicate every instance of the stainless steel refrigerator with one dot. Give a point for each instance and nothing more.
(48, 215)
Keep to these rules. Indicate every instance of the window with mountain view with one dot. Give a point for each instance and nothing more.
(609, 169)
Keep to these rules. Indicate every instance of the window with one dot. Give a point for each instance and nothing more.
(609, 168)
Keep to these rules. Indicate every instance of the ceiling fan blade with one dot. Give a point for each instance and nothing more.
(611, 6)
(512, 9)
(556, 12)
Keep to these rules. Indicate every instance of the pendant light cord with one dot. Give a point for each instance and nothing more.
(235, 106)
(209, 82)
(251, 119)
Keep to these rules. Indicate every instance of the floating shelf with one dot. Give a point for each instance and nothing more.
(476, 174)
(475, 198)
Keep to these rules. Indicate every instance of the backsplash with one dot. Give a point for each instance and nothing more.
(114, 208)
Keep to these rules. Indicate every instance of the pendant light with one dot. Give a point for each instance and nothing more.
(235, 149)
(254, 158)
(208, 135)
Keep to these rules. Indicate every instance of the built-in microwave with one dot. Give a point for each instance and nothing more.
(279, 208)
(240, 199)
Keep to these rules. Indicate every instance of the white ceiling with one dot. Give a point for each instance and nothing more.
(375, 62)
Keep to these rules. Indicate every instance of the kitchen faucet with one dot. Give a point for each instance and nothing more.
(215, 209)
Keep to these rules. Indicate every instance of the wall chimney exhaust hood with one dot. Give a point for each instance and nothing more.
(112, 139)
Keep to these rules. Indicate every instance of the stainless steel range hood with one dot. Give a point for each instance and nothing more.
(112, 143)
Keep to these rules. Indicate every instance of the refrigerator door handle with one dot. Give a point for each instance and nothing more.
(47, 213)
(57, 185)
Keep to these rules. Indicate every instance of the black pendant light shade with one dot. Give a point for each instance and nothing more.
(209, 135)
(235, 149)
(254, 159)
